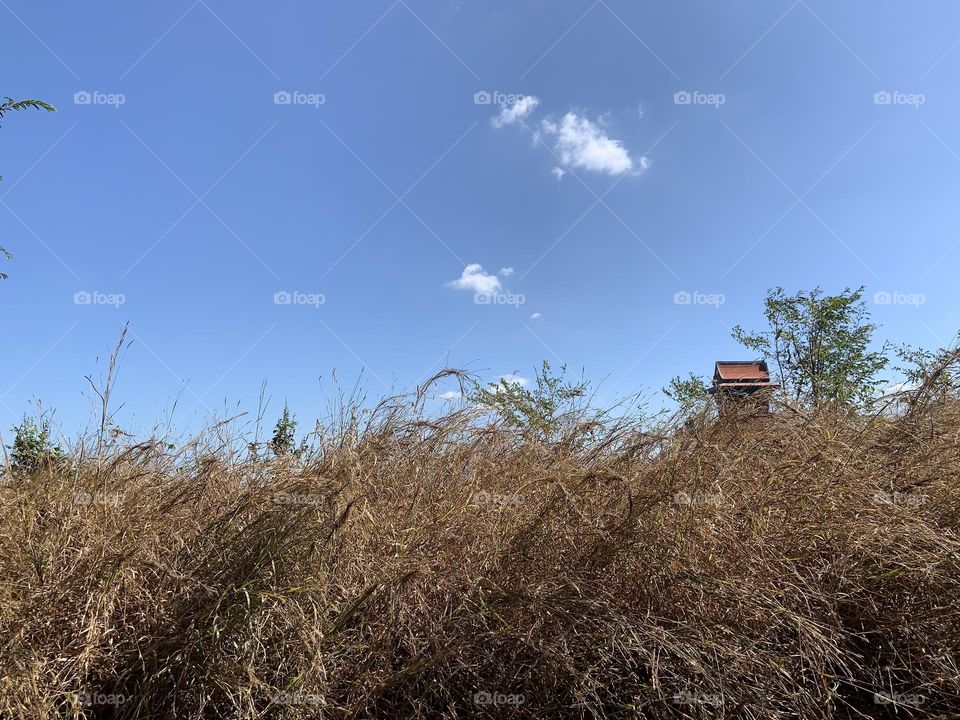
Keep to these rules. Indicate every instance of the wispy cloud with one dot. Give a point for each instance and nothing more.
(515, 111)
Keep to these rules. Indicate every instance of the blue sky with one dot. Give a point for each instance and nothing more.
(630, 178)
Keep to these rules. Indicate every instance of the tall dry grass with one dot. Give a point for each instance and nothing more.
(775, 566)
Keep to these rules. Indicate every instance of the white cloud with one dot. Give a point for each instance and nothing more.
(450, 395)
(536, 316)
(476, 281)
(506, 272)
(578, 141)
(582, 143)
(515, 111)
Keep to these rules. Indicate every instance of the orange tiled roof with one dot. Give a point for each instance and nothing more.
(738, 371)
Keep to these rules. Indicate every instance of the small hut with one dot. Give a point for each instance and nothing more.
(741, 383)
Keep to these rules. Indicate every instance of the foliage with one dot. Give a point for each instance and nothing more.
(537, 410)
(33, 449)
(936, 371)
(6, 256)
(689, 393)
(11, 105)
(284, 434)
(820, 346)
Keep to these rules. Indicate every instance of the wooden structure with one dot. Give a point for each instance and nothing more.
(741, 383)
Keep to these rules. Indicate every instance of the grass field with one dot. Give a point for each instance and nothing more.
(775, 566)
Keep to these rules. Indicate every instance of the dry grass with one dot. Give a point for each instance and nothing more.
(763, 567)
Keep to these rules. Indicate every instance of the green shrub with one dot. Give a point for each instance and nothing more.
(33, 449)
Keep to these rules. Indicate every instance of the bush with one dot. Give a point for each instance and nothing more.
(33, 449)
(539, 411)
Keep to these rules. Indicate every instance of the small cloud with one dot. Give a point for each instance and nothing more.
(506, 272)
(536, 316)
(558, 173)
(476, 281)
(640, 111)
(451, 395)
(582, 143)
(516, 111)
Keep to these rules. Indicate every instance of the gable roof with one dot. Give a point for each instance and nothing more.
(741, 371)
